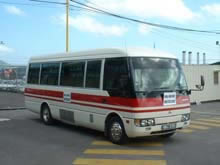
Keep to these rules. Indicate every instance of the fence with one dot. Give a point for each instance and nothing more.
(12, 78)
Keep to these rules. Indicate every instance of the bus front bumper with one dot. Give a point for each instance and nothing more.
(133, 131)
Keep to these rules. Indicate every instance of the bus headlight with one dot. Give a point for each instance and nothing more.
(144, 122)
(185, 117)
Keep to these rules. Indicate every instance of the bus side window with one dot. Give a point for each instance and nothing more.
(93, 74)
(72, 74)
(116, 77)
(33, 74)
(49, 74)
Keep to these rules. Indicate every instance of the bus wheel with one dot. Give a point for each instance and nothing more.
(116, 132)
(46, 115)
(168, 135)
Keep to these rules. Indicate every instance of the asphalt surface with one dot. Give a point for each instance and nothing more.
(10, 100)
(25, 140)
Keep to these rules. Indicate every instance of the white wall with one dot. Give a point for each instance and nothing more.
(211, 91)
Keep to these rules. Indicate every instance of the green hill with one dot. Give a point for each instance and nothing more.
(2, 63)
(216, 63)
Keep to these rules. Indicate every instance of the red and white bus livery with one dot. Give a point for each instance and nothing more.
(124, 93)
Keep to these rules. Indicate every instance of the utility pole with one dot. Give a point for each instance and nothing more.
(67, 26)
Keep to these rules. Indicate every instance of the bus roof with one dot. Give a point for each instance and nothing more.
(103, 53)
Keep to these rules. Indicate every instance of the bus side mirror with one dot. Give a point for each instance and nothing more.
(202, 81)
(189, 92)
(199, 87)
(202, 84)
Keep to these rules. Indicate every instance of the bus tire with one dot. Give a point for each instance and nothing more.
(168, 135)
(116, 132)
(46, 116)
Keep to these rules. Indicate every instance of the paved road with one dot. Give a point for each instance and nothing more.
(11, 100)
(207, 108)
(25, 140)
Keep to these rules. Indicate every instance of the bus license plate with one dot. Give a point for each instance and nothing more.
(169, 126)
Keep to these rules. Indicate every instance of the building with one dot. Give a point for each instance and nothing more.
(211, 73)
(211, 91)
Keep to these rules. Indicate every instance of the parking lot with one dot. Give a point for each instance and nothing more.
(25, 140)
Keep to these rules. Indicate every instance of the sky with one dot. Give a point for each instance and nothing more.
(30, 28)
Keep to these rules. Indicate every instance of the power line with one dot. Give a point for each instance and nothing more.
(26, 4)
(187, 41)
(97, 10)
(144, 22)
(181, 40)
(51, 2)
(196, 44)
(62, 3)
(85, 9)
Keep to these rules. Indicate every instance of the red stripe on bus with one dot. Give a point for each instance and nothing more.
(117, 101)
(129, 102)
(133, 111)
(43, 98)
(115, 109)
(42, 92)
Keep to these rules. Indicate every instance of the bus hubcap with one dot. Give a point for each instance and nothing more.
(46, 115)
(116, 131)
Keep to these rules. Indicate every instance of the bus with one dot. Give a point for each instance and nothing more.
(124, 93)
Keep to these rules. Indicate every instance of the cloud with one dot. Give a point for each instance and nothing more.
(212, 9)
(5, 49)
(173, 10)
(144, 29)
(89, 24)
(14, 10)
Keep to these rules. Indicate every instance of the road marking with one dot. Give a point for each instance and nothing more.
(186, 130)
(205, 123)
(84, 161)
(145, 144)
(209, 120)
(198, 127)
(4, 119)
(124, 152)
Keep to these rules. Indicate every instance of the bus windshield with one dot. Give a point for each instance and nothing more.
(157, 74)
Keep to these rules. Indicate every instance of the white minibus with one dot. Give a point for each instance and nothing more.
(124, 93)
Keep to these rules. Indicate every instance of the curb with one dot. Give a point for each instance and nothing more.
(12, 108)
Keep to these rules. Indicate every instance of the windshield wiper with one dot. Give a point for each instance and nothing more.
(155, 90)
(142, 92)
(162, 89)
